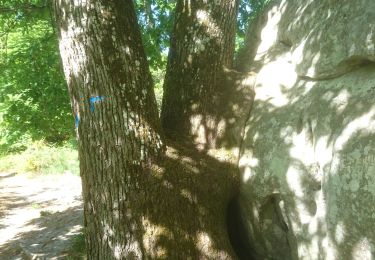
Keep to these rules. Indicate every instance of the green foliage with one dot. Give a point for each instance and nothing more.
(247, 11)
(158, 76)
(42, 158)
(34, 104)
(77, 250)
(155, 18)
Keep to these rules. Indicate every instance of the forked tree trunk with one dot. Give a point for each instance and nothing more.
(202, 46)
(138, 202)
(116, 117)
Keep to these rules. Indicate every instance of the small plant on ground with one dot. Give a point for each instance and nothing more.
(78, 247)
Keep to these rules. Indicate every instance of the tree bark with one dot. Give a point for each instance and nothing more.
(116, 116)
(202, 46)
(139, 202)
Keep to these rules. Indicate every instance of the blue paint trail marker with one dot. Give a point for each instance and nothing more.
(76, 120)
(94, 100)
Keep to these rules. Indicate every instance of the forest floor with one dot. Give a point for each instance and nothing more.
(40, 216)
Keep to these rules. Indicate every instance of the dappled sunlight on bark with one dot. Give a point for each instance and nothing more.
(309, 135)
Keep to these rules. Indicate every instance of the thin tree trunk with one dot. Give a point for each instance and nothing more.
(147, 5)
(202, 46)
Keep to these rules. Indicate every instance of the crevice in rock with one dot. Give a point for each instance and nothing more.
(287, 43)
(344, 67)
(237, 232)
(274, 226)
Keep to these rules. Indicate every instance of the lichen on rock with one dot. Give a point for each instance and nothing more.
(310, 137)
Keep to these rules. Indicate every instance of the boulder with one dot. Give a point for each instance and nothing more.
(308, 155)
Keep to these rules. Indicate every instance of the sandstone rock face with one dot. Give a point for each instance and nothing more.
(308, 155)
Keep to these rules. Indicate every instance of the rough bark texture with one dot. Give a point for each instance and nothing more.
(116, 118)
(202, 45)
(139, 202)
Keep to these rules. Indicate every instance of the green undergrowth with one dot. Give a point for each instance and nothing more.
(78, 248)
(42, 158)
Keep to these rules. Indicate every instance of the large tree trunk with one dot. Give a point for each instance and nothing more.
(116, 117)
(202, 46)
(139, 203)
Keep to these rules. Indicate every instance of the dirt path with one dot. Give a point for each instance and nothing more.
(38, 216)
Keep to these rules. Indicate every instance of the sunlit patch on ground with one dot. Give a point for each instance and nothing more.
(39, 216)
